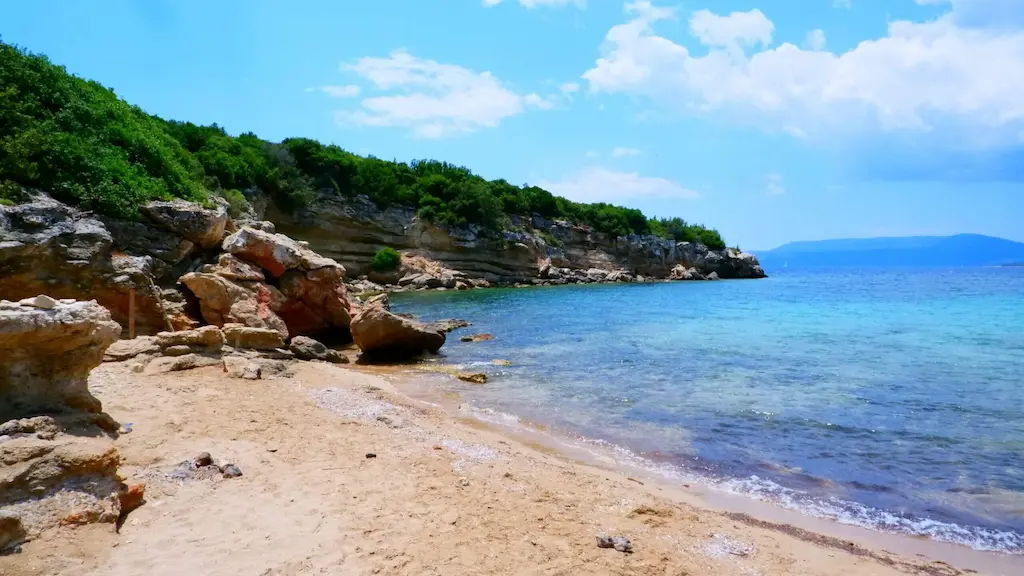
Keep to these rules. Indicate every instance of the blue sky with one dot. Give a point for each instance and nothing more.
(772, 120)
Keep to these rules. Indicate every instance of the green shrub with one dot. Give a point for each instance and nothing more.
(386, 259)
(237, 204)
(77, 140)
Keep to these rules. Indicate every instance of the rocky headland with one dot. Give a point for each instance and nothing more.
(183, 265)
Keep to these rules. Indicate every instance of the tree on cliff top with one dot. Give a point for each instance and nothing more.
(79, 141)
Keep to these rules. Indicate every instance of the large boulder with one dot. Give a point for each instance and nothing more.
(223, 301)
(48, 354)
(315, 302)
(275, 253)
(379, 332)
(203, 226)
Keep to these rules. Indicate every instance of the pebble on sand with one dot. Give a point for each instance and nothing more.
(620, 543)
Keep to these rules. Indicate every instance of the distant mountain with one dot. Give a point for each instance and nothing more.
(959, 250)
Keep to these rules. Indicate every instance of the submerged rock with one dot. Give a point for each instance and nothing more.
(473, 378)
(447, 326)
(379, 332)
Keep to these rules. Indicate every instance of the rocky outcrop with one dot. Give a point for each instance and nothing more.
(170, 266)
(276, 253)
(379, 333)
(351, 230)
(223, 301)
(48, 247)
(202, 226)
(58, 464)
(48, 354)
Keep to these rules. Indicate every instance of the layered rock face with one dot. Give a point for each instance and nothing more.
(351, 230)
(58, 464)
(49, 248)
(48, 354)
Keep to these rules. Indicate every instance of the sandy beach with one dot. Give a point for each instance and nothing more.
(443, 495)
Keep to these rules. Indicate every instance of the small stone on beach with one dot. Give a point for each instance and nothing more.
(619, 543)
(203, 459)
(230, 471)
(371, 455)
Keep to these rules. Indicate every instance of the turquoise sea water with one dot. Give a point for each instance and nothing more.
(891, 399)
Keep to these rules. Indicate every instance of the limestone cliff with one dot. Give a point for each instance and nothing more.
(351, 230)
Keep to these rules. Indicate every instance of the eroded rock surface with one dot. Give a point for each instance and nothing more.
(48, 354)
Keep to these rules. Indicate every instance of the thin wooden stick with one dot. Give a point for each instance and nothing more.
(131, 313)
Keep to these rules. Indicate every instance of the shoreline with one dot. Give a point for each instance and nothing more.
(442, 495)
(605, 456)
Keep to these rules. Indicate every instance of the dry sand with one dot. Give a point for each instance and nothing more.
(442, 496)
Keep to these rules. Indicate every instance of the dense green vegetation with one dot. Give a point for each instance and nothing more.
(385, 259)
(86, 146)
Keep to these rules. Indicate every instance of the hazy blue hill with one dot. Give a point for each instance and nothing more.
(959, 250)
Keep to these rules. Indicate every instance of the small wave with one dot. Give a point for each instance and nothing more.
(832, 508)
(846, 512)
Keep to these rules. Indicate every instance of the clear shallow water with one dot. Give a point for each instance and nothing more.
(891, 399)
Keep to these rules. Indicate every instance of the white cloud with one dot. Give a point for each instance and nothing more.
(620, 151)
(540, 3)
(844, 3)
(434, 100)
(569, 88)
(815, 40)
(597, 184)
(736, 29)
(920, 78)
(774, 186)
(349, 91)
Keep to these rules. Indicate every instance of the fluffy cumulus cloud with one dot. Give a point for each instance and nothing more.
(539, 3)
(597, 184)
(957, 78)
(434, 100)
(736, 29)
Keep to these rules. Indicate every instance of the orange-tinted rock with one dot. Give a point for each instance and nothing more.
(379, 332)
(131, 497)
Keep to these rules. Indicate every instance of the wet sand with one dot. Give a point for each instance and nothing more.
(445, 494)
